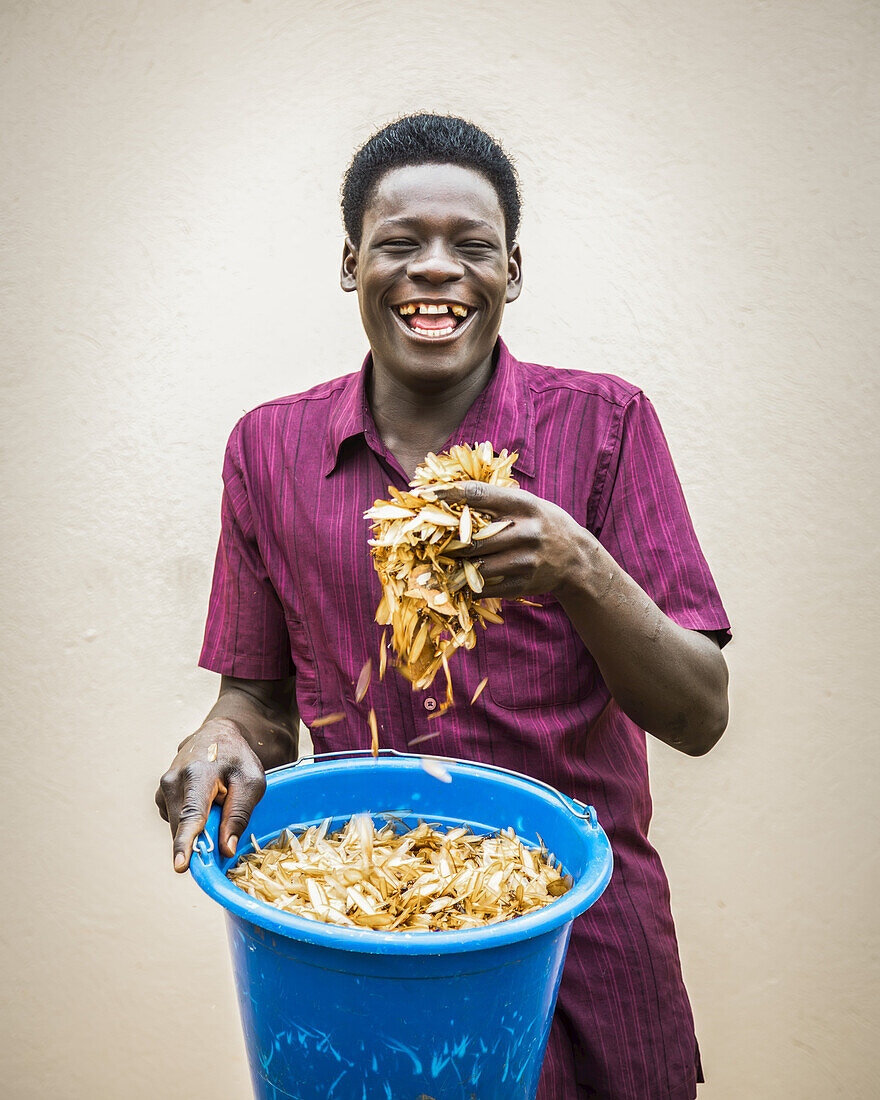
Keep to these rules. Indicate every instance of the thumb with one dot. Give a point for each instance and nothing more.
(480, 495)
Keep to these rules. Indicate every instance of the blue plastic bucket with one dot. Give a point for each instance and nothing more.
(333, 1013)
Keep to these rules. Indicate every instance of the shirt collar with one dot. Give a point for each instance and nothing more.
(503, 413)
(348, 417)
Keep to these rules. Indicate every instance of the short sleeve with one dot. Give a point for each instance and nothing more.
(642, 520)
(246, 632)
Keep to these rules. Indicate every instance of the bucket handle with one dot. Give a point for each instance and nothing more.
(579, 809)
(203, 845)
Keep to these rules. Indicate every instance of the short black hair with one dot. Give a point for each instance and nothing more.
(429, 139)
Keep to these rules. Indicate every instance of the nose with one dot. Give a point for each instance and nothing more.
(436, 263)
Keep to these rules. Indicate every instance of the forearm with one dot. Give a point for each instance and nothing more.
(264, 713)
(669, 680)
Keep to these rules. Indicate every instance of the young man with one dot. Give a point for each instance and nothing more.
(627, 634)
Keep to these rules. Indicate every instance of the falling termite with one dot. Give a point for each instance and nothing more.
(374, 730)
(327, 719)
(479, 689)
(363, 681)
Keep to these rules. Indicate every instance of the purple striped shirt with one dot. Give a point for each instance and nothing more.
(295, 591)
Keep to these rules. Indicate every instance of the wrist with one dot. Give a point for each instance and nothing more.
(588, 569)
(212, 729)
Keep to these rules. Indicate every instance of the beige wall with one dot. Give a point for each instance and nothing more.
(700, 201)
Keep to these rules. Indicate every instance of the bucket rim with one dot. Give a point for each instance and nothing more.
(208, 869)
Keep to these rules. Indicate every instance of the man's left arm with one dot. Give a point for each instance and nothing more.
(668, 679)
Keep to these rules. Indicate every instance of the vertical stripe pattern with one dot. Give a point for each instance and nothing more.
(295, 591)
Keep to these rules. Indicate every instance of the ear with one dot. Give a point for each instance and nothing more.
(348, 275)
(514, 273)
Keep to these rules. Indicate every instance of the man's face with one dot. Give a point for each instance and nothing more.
(432, 274)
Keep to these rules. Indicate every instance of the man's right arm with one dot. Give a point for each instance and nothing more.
(253, 726)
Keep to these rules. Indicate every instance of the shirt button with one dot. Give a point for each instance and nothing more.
(430, 704)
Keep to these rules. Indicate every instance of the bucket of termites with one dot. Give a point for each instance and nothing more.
(338, 1013)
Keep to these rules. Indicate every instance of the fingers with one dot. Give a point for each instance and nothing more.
(507, 574)
(189, 798)
(191, 824)
(501, 543)
(507, 588)
(533, 553)
(245, 789)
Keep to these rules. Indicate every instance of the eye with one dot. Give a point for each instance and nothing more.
(397, 244)
(476, 246)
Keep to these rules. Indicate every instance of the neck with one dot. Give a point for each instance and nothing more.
(412, 420)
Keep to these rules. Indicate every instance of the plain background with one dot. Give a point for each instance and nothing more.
(701, 218)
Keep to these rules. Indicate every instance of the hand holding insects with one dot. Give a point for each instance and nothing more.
(540, 551)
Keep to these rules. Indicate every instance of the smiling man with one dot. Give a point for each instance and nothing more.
(624, 633)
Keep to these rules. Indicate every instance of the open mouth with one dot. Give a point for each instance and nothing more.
(433, 320)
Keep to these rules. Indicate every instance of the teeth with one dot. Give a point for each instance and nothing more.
(435, 334)
(423, 307)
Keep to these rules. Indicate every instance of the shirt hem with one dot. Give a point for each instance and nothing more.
(246, 667)
(719, 625)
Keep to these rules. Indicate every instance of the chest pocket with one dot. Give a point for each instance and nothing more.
(535, 658)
